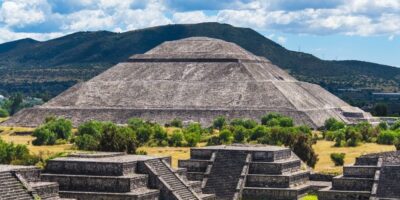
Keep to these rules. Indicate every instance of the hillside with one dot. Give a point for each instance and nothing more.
(52, 66)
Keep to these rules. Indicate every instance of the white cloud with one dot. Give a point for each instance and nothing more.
(191, 17)
(281, 40)
(18, 13)
(7, 35)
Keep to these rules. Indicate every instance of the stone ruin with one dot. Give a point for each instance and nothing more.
(248, 172)
(372, 177)
(193, 79)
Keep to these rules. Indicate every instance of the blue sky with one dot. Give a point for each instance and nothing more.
(366, 30)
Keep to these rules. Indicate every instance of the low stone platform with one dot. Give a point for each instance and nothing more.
(247, 172)
(373, 177)
(118, 176)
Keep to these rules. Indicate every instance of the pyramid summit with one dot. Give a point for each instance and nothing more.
(193, 79)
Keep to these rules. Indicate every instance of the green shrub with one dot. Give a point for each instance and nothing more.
(225, 136)
(338, 158)
(214, 140)
(44, 136)
(118, 139)
(333, 124)
(353, 137)
(219, 122)
(176, 138)
(286, 122)
(192, 138)
(387, 137)
(15, 154)
(136, 123)
(340, 138)
(239, 134)
(144, 134)
(160, 135)
(268, 117)
(395, 125)
(88, 135)
(176, 123)
(383, 126)
(3, 113)
(53, 129)
(258, 132)
(302, 147)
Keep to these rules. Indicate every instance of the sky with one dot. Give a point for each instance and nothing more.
(367, 30)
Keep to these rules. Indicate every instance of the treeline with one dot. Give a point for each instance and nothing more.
(354, 135)
(274, 129)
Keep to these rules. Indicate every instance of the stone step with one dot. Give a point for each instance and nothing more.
(352, 184)
(195, 176)
(97, 183)
(45, 190)
(361, 171)
(194, 165)
(277, 181)
(292, 193)
(278, 167)
(90, 167)
(329, 194)
(12, 188)
(137, 194)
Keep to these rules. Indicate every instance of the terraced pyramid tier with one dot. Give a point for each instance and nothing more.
(248, 172)
(194, 79)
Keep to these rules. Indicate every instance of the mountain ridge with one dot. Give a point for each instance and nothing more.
(28, 65)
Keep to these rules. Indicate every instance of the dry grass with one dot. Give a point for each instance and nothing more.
(9, 136)
(3, 119)
(176, 153)
(325, 148)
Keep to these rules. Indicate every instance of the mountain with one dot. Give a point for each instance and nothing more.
(50, 67)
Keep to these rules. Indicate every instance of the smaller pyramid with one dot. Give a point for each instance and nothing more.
(193, 79)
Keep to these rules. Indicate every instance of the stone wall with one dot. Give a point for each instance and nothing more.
(389, 185)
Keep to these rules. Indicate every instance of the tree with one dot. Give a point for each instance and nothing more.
(338, 158)
(380, 109)
(219, 122)
(176, 138)
(333, 124)
(15, 102)
(88, 135)
(44, 136)
(286, 122)
(268, 117)
(225, 136)
(258, 132)
(144, 134)
(239, 134)
(177, 123)
(118, 139)
(3, 113)
(303, 149)
(160, 135)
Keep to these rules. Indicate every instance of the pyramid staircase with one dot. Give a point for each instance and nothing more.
(248, 174)
(11, 188)
(357, 182)
(169, 179)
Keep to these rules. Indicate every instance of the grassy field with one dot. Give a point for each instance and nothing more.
(2, 119)
(8, 135)
(310, 197)
(323, 149)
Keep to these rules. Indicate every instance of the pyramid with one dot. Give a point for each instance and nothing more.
(193, 79)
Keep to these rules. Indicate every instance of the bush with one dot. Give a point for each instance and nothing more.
(387, 137)
(303, 149)
(192, 138)
(136, 123)
(88, 135)
(214, 140)
(53, 129)
(268, 117)
(338, 158)
(353, 137)
(286, 122)
(340, 137)
(219, 122)
(332, 124)
(176, 123)
(118, 139)
(3, 113)
(258, 132)
(15, 154)
(239, 134)
(383, 126)
(160, 135)
(144, 134)
(395, 125)
(44, 136)
(176, 138)
(225, 136)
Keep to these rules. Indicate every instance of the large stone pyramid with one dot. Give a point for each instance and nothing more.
(194, 79)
